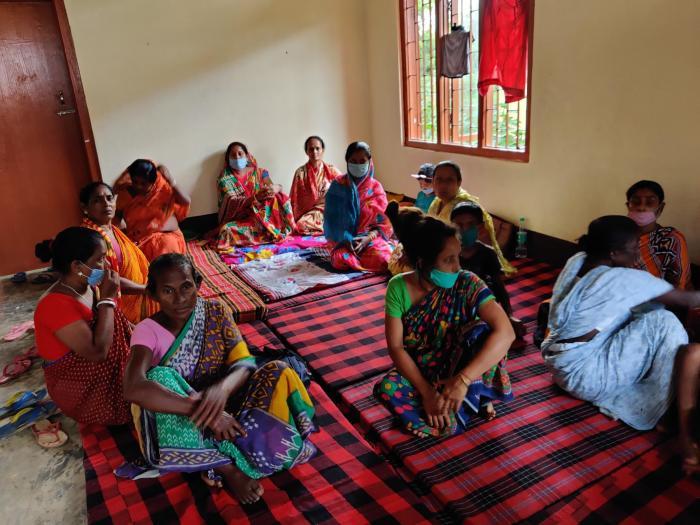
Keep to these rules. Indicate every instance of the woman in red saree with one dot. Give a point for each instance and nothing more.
(251, 209)
(309, 187)
(151, 204)
(355, 225)
(81, 334)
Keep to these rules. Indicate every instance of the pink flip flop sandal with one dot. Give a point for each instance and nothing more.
(15, 369)
(49, 435)
(19, 330)
(30, 353)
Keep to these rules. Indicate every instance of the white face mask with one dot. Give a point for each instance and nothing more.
(427, 191)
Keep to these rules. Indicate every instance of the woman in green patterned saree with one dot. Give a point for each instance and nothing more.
(201, 401)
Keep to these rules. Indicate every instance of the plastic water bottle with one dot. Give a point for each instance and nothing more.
(521, 241)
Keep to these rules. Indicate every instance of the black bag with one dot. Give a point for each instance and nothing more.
(293, 360)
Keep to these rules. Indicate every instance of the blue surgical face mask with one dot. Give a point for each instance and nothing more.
(427, 191)
(241, 163)
(95, 276)
(443, 279)
(469, 237)
(358, 170)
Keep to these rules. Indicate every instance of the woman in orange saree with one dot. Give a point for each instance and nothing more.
(98, 203)
(309, 187)
(151, 204)
(251, 209)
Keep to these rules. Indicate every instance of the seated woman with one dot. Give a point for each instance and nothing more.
(447, 180)
(357, 230)
(203, 402)
(99, 204)
(81, 334)
(251, 209)
(446, 334)
(309, 187)
(481, 259)
(607, 343)
(151, 205)
(664, 252)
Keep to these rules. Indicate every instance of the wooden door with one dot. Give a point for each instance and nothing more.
(43, 163)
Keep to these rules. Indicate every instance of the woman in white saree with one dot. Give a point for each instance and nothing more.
(610, 341)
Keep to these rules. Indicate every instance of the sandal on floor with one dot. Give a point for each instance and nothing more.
(49, 435)
(20, 400)
(19, 330)
(19, 277)
(22, 419)
(15, 369)
(44, 278)
(30, 353)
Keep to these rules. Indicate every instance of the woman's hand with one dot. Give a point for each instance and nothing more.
(109, 287)
(360, 243)
(436, 412)
(453, 392)
(227, 427)
(211, 406)
(264, 193)
(166, 173)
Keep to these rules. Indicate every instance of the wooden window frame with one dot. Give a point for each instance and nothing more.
(480, 150)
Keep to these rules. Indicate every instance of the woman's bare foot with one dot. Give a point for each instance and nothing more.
(246, 490)
(211, 483)
(691, 459)
(488, 412)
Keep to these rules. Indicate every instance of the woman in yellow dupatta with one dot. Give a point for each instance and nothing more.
(99, 203)
(152, 204)
(447, 180)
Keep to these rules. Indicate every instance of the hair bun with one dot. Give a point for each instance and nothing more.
(43, 251)
(583, 243)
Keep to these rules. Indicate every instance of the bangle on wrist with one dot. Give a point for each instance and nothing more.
(465, 380)
(108, 302)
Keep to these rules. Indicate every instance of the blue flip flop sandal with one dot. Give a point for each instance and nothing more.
(23, 418)
(20, 400)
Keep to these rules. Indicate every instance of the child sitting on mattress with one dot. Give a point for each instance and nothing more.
(426, 195)
(481, 259)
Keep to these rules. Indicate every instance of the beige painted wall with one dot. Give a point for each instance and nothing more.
(614, 100)
(177, 80)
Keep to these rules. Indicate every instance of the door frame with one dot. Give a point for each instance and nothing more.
(76, 80)
(59, 9)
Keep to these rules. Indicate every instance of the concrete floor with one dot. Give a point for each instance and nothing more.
(39, 486)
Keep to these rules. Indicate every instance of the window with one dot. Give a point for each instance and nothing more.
(449, 114)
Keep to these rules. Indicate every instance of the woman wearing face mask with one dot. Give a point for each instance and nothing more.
(99, 203)
(152, 205)
(309, 186)
(355, 225)
(663, 250)
(609, 343)
(81, 333)
(446, 334)
(481, 259)
(251, 209)
(447, 180)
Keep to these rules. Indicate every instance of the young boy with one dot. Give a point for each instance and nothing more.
(481, 259)
(425, 180)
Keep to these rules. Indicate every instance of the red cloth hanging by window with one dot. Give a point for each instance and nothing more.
(504, 43)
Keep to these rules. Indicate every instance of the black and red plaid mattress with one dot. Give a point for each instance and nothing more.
(341, 337)
(345, 483)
